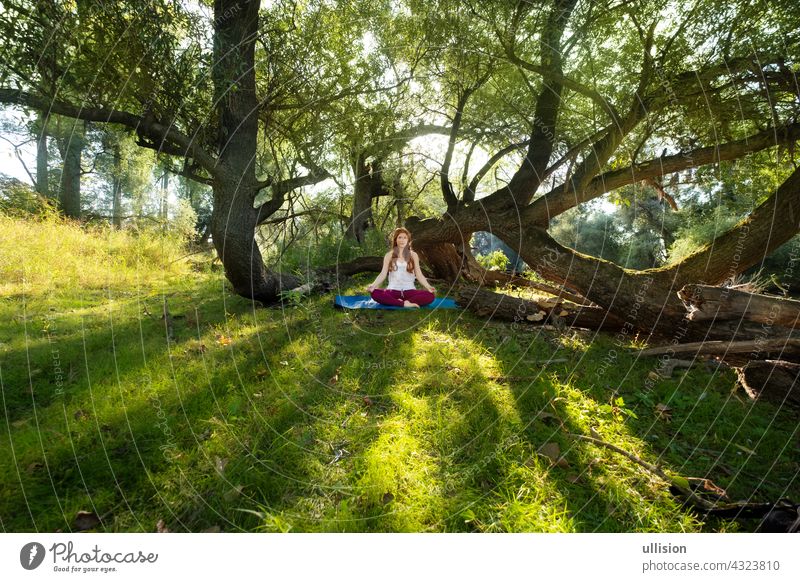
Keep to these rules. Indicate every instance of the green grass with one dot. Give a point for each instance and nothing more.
(305, 418)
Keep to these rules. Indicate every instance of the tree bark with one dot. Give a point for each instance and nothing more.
(42, 158)
(361, 218)
(235, 186)
(71, 147)
(719, 303)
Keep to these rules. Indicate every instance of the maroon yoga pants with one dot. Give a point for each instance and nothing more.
(394, 297)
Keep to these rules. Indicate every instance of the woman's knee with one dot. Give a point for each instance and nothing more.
(425, 298)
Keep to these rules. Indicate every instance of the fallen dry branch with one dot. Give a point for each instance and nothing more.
(786, 347)
(681, 484)
(780, 517)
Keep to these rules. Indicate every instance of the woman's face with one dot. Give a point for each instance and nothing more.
(401, 240)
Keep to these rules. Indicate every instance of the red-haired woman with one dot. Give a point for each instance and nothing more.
(402, 265)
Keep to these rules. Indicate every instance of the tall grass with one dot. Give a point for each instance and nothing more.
(49, 254)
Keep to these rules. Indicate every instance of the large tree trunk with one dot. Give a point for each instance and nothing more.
(235, 186)
(42, 158)
(361, 218)
(719, 304)
(71, 145)
(233, 225)
(648, 300)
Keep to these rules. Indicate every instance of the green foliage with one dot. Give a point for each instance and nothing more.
(21, 201)
(699, 233)
(494, 261)
(184, 220)
(328, 246)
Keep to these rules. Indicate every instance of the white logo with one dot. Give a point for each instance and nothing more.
(31, 555)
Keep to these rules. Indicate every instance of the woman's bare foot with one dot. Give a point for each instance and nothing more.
(408, 303)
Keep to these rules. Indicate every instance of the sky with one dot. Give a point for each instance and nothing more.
(9, 163)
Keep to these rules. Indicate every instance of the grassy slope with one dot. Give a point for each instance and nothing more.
(305, 418)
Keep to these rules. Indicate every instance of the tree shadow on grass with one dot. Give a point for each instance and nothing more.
(239, 425)
(512, 485)
(96, 435)
(604, 491)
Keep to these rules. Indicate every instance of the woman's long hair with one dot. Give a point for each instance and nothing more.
(406, 251)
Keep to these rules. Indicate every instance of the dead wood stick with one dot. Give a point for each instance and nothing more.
(168, 321)
(722, 347)
(680, 483)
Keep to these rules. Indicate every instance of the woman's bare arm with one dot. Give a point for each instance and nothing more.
(382, 276)
(418, 274)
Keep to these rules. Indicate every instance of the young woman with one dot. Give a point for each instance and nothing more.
(402, 265)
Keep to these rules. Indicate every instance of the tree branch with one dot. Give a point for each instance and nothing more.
(469, 193)
(167, 136)
(527, 179)
(280, 189)
(447, 188)
(564, 197)
(399, 139)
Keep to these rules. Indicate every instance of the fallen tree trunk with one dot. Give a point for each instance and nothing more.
(734, 352)
(714, 303)
(774, 381)
(768, 362)
(502, 278)
(551, 311)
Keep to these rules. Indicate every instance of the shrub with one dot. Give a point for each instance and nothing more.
(494, 261)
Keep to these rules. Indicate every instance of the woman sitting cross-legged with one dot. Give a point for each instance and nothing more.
(402, 265)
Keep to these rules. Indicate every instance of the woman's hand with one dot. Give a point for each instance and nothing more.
(432, 290)
(371, 287)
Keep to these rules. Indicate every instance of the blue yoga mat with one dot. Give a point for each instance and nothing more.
(366, 302)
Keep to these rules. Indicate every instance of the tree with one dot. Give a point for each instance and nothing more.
(221, 153)
(679, 71)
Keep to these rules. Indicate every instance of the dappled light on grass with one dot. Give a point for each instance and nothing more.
(626, 491)
(304, 418)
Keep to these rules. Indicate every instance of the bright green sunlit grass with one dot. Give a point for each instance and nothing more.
(305, 418)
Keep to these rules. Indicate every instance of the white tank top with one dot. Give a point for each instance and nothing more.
(401, 280)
